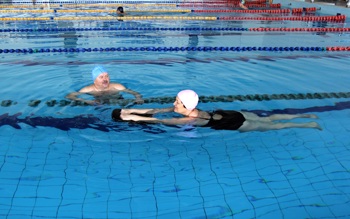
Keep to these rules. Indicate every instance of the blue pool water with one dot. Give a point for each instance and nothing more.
(60, 160)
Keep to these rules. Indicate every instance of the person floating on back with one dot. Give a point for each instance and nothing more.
(102, 89)
(186, 103)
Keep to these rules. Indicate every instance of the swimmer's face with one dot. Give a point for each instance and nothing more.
(102, 80)
(178, 105)
(120, 10)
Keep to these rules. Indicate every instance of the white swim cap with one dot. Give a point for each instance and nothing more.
(189, 98)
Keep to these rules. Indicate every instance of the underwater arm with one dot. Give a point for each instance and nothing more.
(131, 114)
(146, 111)
(74, 96)
(138, 96)
(174, 121)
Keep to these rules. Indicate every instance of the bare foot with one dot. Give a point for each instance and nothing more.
(315, 125)
(311, 116)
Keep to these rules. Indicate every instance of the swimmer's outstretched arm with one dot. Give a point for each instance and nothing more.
(146, 111)
(74, 96)
(143, 115)
(174, 121)
(138, 96)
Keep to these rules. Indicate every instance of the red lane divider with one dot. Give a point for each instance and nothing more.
(203, 5)
(248, 1)
(305, 29)
(279, 11)
(338, 48)
(249, 5)
(212, 5)
(253, 5)
(275, 5)
(198, 2)
(337, 18)
(300, 10)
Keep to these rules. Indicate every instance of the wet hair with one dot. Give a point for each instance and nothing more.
(120, 9)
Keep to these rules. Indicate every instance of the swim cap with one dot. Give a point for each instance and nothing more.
(97, 71)
(189, 98)
(120, 9)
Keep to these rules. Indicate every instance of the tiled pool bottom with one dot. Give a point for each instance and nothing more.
(49, 173)
(198, 173)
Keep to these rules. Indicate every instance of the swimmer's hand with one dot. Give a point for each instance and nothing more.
(128, 117)
(136, 111)
(139, 100)
(93, 102)
(135, 118)
(147, 112)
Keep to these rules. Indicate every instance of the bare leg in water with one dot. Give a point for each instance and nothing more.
(256, 123)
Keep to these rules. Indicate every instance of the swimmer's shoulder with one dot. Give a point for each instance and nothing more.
(117, 86)
(203, 115)
(87, 89)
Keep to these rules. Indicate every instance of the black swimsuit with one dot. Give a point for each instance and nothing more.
(231, 120)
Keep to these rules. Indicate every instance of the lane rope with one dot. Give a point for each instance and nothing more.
(87, 5)
(337, 18)
(253, 29)
(175, 49)
(176, 4)
(252, 11)
(121, 2)
(96, 11)
(203, 99)
(106, 18)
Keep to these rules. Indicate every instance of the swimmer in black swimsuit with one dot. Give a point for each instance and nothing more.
(185, 104)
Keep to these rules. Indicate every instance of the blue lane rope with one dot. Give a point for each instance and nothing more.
(155, 49)
(124, 29)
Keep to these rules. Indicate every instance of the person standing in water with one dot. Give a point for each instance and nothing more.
(103, 89)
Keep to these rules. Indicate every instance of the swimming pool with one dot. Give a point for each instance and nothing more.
(55, 163)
